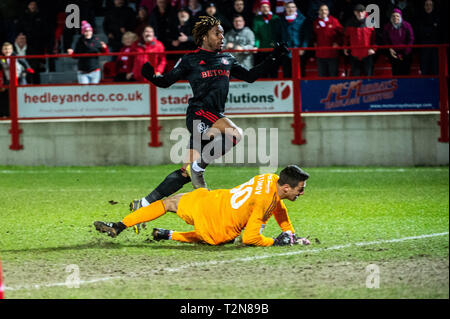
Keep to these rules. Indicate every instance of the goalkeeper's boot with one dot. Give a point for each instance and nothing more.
(197, 178)
(134, 206)
(112, 229)
(161, 234)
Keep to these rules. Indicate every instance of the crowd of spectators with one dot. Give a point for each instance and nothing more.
(163, 25)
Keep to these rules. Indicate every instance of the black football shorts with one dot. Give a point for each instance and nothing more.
(201, 121)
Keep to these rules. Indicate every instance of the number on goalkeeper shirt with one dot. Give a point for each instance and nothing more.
(241, 194)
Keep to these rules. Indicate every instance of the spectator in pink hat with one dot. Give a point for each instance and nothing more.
(397, 32)
(88, 67)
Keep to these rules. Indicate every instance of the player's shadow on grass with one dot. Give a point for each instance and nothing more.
(100, 244)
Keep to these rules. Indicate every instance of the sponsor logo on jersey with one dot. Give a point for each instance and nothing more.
(218, 72)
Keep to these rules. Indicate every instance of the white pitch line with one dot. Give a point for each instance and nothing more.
(245, 259)
(298, 252)
(60, 284)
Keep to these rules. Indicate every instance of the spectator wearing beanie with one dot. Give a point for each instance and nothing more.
(267, 30)
(358, 34)
(150, 44)
(181, 35)
(88, 67)
(397, 32)
(406, 6)
(328, 33)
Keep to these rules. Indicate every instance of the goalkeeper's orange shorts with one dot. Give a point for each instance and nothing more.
(202, 209)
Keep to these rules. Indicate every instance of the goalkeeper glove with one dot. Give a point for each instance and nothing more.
(301, 240)
(284, 239)
(279, 50)
(148, 71)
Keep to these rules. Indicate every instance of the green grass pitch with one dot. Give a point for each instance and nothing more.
(47, 237)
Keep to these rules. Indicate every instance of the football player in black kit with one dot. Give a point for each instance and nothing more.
(208, 72)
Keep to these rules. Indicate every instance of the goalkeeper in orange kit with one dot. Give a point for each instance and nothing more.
(219, 216)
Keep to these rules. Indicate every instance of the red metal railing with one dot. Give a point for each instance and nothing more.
(297, 124)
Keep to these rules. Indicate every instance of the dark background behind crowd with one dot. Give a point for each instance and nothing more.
(38, 27)
(42, 22)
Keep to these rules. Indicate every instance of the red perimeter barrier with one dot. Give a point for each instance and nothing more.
(297, 124)
(1, 282)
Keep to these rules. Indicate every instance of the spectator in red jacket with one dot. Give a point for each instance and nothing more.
(151, 44)
(124, 62)
(399, 32)
(328, 32)
(358, 34)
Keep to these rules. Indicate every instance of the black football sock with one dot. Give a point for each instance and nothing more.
(120, 227)
(172, 183)
(225, 142)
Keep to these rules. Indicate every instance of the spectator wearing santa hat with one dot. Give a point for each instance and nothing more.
(328, 33)
(267, 30)
(398, 32)
(88, 67)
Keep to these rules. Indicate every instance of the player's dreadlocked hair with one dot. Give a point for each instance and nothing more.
(202, 27)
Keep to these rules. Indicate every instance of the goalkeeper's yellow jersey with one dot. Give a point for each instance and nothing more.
(219, 216)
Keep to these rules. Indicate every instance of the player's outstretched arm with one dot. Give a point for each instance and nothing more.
(165, 80)
(287, 237)
(241, 73)
(252, 233)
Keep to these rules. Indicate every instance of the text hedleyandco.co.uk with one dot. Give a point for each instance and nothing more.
(86, 97)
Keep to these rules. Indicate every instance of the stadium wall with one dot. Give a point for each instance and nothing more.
(403, 139)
